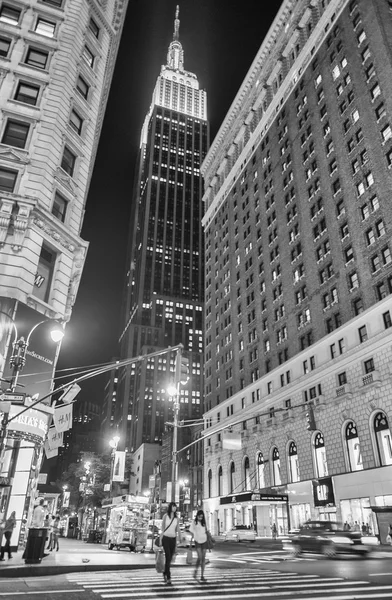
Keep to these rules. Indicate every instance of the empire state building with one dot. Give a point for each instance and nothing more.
(164, 295)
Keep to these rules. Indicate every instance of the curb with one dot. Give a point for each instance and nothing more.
(45, 570)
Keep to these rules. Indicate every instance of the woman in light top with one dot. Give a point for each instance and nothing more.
(198, 529)
(170, 531)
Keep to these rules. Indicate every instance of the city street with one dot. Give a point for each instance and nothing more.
(234, 571)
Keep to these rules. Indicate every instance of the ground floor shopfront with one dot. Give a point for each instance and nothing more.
(253, 509)
(362, 499)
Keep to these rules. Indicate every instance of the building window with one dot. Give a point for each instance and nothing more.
(88, 56)
(320, 456)
(368, 366)
(362, 334)
(56, 3)
(387, 319)
(36, 58)
(209, 484)
(5, 45)
(260, 471)
(68, 161)
(82, 87)
(231, 478)
(7, 180)
(9, 14)
(15, 134)
(355, 462)
(276, 477)
(247, 477)
(220, 481)
(342, 378)
(383, 439)
(44, 27)
(44, 275)
(76, 122)
(293, 463)
(59, 207)
(94, 28)
(27, 93)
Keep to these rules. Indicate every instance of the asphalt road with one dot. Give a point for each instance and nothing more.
(235, 571)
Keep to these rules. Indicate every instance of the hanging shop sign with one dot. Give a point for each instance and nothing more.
(63, 417)
(55, 438)
(323, 493)
(32, 424)
(119, 466)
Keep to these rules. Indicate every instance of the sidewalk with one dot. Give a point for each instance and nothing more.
(75, 556)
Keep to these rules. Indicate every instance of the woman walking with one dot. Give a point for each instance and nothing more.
(8, 528)
(170, 531)
(198, 529)
(56, 534)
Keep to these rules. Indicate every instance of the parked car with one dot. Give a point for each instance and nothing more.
(329, 538)
(240, 533)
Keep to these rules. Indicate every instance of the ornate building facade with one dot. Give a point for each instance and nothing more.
(56, 64)
(298, 263)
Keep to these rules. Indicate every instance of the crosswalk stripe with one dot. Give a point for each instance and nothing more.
(268, 594)
(243, 585)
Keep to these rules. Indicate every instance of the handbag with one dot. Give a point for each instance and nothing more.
(210, 541)
(157, 542)
(189, 556)
(160, 561)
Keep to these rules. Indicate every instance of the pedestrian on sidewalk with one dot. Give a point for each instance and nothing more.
(50, 533)
(274, 531)
(7, 529)
(170, 531)
(56, 534)
(198, 529)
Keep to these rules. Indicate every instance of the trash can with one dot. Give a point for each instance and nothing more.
(35, 545)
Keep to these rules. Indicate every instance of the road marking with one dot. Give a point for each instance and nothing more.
(380, 574)
(39, 592)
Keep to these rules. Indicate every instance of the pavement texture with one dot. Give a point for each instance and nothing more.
(78, 556)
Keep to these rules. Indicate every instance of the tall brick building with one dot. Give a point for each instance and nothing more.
(298, 258)
(56, 63)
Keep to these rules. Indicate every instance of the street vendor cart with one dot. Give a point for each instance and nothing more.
(128, 523)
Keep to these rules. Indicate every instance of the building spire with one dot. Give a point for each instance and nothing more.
(175, 55)
(176, 34)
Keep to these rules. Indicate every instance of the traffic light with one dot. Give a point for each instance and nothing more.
(310, 420)
(182, 369)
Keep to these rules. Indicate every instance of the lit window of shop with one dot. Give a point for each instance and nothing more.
(247, 479)
(383, 439)
(220, 481)
(231, 478)
(293, 463)
(355, 462)
(209, 480)
(276, 478)
(320, 456)
(260, 471)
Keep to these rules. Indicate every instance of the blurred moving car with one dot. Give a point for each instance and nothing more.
(186, 539)
(329, 538)
(240, 533)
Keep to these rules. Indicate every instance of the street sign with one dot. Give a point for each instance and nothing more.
(14, 398)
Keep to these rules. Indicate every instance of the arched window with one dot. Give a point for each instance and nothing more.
(276, 467)
(293, 463)
(353, 448)
(247, 482)
(383, 439)
(231, 478)
(209, 479)
(220, 481)
(320, 456)
(260, 471)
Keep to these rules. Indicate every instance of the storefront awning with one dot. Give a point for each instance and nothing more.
(253, 497)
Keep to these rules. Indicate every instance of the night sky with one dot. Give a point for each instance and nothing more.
(220, 39)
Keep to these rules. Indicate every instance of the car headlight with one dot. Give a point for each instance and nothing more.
(370, 541)
(341, 540)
